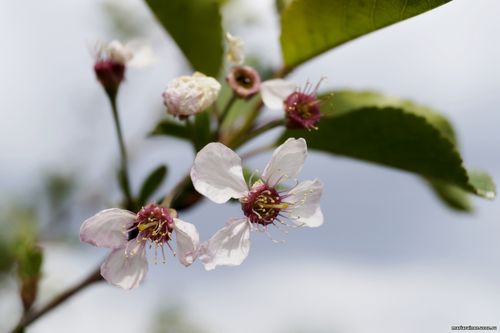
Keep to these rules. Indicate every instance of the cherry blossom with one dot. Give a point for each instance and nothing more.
(302, 107)
(217, 174)
(127, 234)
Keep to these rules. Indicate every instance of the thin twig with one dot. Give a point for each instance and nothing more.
(256, 151)
(33, 315)
(239, 141)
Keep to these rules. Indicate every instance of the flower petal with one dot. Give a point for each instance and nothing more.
(217, 173)
(286, 162)
(187, 238)
(107, 228)
(274, 92)
(229, 246)
(142, 54)
(304, 202)
(126, 267)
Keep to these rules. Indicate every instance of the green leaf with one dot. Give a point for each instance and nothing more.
(346, 101)
(397, 138)
(453, 196)
(483, 182)
(196, 27)
(196, 129)
(311, 27)
(281, 5)
(343, 101)
(152, 183)
(172, 128)
(201, 128)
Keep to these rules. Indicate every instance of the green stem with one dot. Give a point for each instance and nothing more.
(239, 141)
(123, 152)
(252, 116)
(256, 151)
(227, 108)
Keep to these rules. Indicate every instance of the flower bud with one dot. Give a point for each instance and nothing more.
(189, 95)
(111, 59)
(244, 80)
(110, 74)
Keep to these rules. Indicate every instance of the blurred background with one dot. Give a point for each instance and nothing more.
(389, 258)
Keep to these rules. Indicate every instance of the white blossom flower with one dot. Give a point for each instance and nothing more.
(134, 53)
(235, 49)
(217, 174)
(111, 60)
(302, 107)
(126, 234)
(189, 95)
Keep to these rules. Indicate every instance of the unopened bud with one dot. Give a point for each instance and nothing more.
(188, 95)
(110, 74)
(244, 80)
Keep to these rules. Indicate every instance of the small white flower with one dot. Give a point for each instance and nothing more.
(131, 54)
(112, 59)
(301, 106)
(189, 95)
(217, 174)
(126, 234)
(235, 50)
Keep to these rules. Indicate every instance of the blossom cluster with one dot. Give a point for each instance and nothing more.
(273, 199)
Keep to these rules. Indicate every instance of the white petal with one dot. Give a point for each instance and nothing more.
(126, 267)
(187, 238)
(286, 162)
(217, 173)
(274, 92)
(107, 228)
(304, 202)
(143, 55)
(229, 246)
(235, 49)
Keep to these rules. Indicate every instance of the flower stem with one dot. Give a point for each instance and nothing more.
(256, 151)
(124, 174)
(227, 108)
(31, 316)
(239, 141)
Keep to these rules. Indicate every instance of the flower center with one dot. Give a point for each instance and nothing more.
(263, 204)
(153, 223)
(244, 79)
(302, 110)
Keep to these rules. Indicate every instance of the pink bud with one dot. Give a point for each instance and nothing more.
(110, 73)
(244, 80)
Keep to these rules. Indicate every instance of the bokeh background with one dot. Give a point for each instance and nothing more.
(389, 258)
